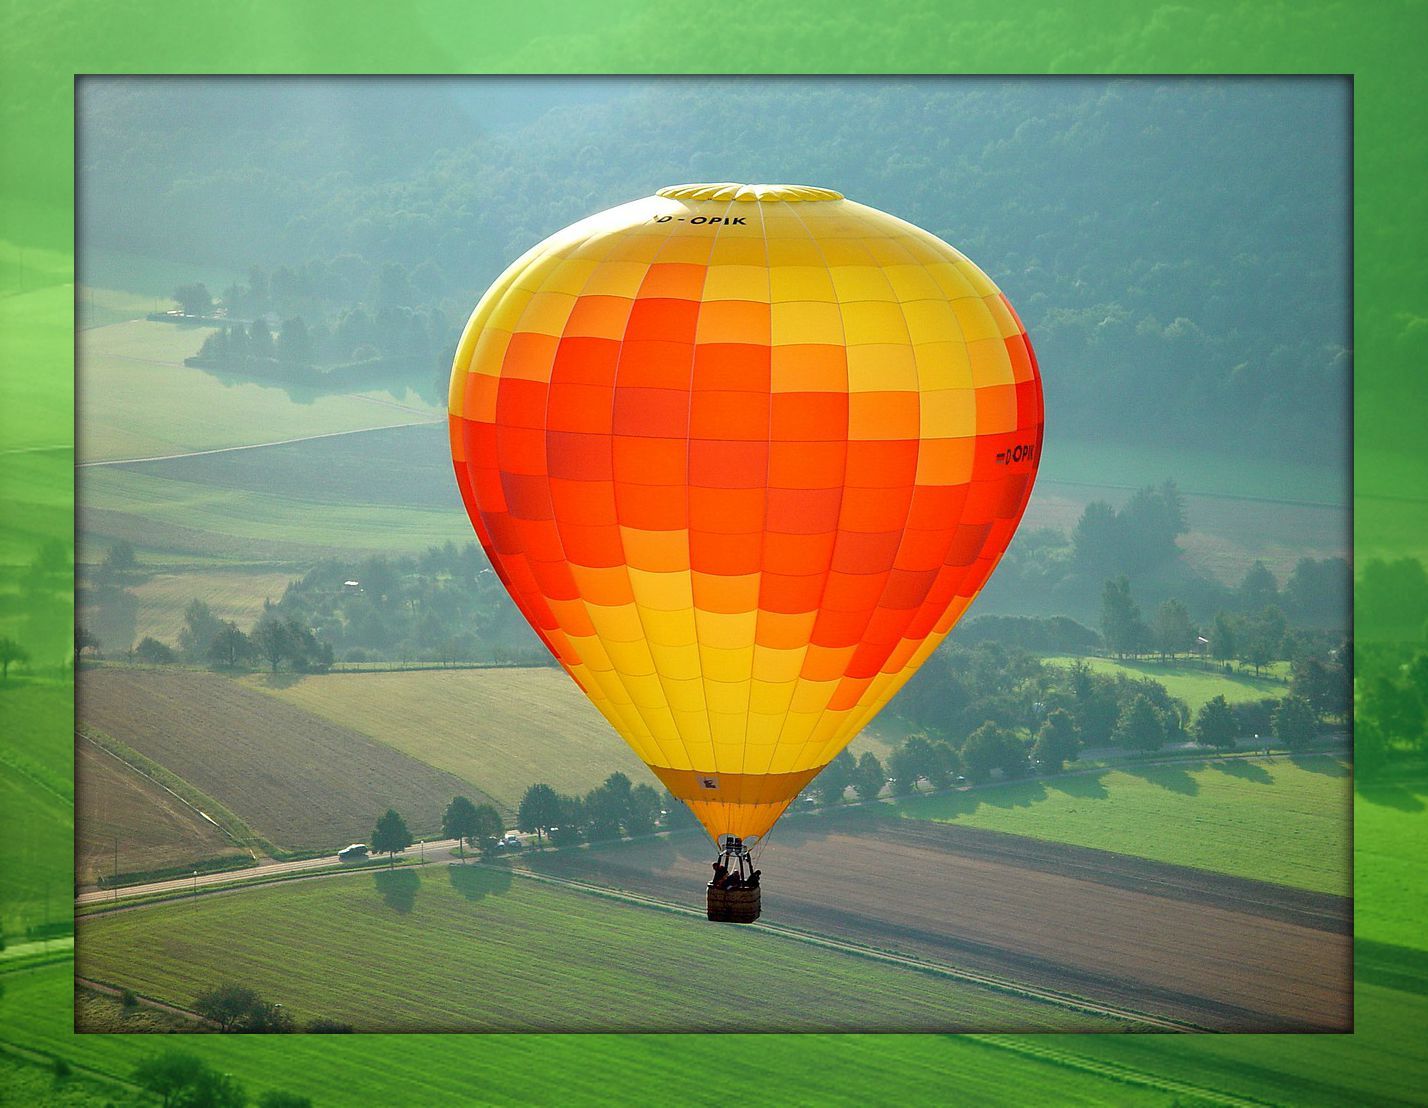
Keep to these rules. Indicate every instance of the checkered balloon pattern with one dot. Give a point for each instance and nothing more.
(743, 455)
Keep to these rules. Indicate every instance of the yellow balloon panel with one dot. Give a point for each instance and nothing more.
(742, 454)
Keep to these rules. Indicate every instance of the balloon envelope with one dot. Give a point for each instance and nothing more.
(743, 455)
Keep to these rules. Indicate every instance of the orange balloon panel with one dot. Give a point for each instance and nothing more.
(742, 456)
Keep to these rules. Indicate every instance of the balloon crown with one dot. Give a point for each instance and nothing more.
(747, 193)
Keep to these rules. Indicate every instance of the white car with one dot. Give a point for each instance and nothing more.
(354, 853)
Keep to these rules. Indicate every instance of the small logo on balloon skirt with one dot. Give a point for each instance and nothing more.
(706, 782)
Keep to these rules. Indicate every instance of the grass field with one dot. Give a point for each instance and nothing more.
(159, 514)
(36, 804)
(1191, 683)
(1391, 841)
(137, 399)
(530, 957)
(296, 779)
(612, 1069)
(1281, 820)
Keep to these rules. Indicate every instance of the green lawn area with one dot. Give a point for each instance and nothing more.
(1281, 820)
(36, 802)
(420, 1070)
(1391, 843)
(1188, 681)
(462, 948)
(137, 399)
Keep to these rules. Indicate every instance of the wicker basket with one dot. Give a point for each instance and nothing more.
(733, 905)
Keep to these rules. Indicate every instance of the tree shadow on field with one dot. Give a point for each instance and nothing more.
(1330, 765)
(398, 888)
(1244, 769)
(1086, 786)
(1173, 778)
(479, 882)
(1399, 797)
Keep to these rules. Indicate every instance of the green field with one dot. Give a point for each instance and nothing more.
(1391, 843)
(470, 948)
(36, 804)
(136, 399)
(1188, 681)
(1279, 820)
(159, 514)
(611, 1069)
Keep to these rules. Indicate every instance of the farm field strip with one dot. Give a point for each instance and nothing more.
(145, 825)
(548, 959)
(294, 778)
(1212, 815)
(1001, 984)
(1194, 947)
(230, 595)
(504, 729)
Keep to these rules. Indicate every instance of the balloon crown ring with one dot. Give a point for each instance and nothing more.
(767, 194)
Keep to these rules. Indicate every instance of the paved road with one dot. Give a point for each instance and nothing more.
(433, 851)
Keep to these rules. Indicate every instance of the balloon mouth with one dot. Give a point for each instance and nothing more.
(768, 194)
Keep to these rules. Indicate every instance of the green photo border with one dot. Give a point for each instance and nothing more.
(45, 45)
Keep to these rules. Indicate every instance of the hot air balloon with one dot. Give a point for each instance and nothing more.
(743, 455)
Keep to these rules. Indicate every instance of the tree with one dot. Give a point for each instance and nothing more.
(1097, 538)
(10, 653)
(267, 1018)
(294, 342)
(538, 811)
(1259, 589)
(1263, 638)
(459, 822)
(607, 807)
(1121, 625)
(1173, 630)
(229, 648)
(677, 813)
(943, 763)
(644, 809)
(155, 653)
(1057, 742)
(1215, 724)
(1140, 726)
(835, 778)
(1295, 723)
(200, 626)
(390, 835)
(119, 559)
(83, 640)
(169, 1074)
(992, 747)
(1224, 639)
(280, 1098)
(215, 1090)
(194, 298)
(227, 1005)
(487, 828)
(869, 779)
(271, 640)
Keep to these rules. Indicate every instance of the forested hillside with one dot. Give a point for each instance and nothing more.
(1178, 248)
